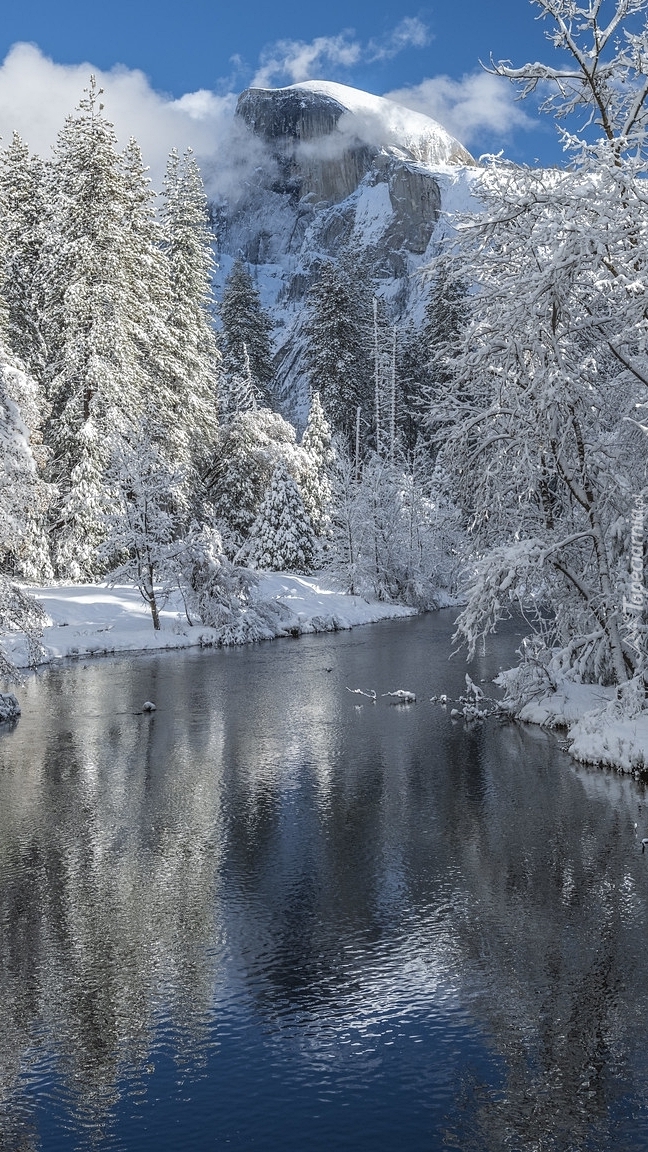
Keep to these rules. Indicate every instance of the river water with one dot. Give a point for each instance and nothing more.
(274, 915)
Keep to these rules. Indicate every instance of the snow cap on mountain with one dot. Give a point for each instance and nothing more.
(316, 111)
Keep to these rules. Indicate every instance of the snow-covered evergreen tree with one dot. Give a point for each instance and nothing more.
(414, 382)
(92, 323)
(246, 335)
(315, 477)
(282, 536)
(447, 312)
(188, 247)
(446, 316)
(23, 210)
(249, 447)
(79, 528)
(338, 354)
(149, 281)
(237, 391)
(21, 497)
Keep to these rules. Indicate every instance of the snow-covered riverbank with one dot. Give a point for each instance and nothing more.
(97, 620)
(599, 727)
(87, 620)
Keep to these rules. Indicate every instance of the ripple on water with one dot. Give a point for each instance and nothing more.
(267, 920)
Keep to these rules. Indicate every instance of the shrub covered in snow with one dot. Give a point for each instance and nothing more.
(9, 707)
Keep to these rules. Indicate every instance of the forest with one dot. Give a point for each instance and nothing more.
(497, 452)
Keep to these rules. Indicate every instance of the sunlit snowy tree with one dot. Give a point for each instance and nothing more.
(23, 213)
(538, 435)
(188, 248)
(24, 496)
(282, 536)
(315, 476)
(92, 323)
(21, 494)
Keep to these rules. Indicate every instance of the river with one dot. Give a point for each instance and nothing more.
(274, 915)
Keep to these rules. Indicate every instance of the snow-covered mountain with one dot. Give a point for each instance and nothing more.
(340, 169)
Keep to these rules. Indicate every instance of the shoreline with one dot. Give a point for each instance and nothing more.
(599, 728)
(90, 621)
(96, 620)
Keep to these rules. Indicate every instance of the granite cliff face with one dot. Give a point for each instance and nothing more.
(342, 169)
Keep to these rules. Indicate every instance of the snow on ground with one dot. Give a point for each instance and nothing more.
(601, 728)
(98, 620)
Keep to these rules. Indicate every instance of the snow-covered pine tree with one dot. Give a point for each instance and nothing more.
(23, 210)
(237, 391)
(447, 312)
(188, 247)
(21, 496)
(414, 383)
(149, 282)
(246, 334)
(248, 448)
(79, 530)
(338, 353)
(446, 316)
(92, 323)
(315, 478)
(282, 536)
(386, 400)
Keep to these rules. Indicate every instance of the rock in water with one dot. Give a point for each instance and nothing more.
(148, 706)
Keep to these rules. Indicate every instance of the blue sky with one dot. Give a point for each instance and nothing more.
(428, 56)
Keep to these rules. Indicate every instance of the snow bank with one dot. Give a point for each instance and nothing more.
(602, 726)
(97, 620)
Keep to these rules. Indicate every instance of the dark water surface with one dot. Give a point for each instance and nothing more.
(265, 918)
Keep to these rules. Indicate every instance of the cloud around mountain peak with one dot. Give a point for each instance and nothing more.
(37, 93)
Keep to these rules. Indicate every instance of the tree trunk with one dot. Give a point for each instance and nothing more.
(149, 591)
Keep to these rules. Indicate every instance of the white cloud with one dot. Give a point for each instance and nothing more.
(295, 60)
(468, 107)
(292, 61)
(410, 33)
(36, 95)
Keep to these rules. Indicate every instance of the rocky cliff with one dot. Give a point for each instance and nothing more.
(342, 169)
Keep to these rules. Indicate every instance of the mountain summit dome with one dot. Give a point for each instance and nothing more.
(336, 175)
(337, 117)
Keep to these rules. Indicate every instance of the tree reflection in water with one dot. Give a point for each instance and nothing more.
(264, 867)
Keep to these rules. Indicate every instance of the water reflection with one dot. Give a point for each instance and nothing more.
(351, 925)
